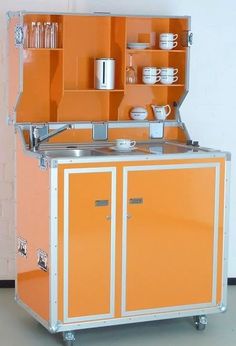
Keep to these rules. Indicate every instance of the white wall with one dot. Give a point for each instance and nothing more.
(209, 110)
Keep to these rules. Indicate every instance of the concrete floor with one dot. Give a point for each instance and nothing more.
(18, 328)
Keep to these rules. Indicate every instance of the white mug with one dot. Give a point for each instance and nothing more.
(151, 71)
(151, 79)
(168, 36)
(168, 45)
(169, 71)
(165, 79)
(125, 144)
(161, 112)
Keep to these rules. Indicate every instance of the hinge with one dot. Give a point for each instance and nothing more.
(190, 38)
(19, 35)
(187, 38)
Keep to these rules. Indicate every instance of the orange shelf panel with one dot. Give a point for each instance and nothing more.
(155, 85)
(93, 90)
(134, 51)
(43, 49)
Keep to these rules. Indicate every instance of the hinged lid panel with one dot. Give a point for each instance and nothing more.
(57, 81)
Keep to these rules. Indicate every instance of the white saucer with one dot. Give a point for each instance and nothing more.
(123, 150)
(138, 45)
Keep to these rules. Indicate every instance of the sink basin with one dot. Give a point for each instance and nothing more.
(71, 153)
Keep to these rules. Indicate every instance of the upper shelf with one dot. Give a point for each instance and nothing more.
(183, 50)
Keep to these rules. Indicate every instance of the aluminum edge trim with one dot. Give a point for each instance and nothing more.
(124, 240)
(96, 14)
(216, 232)
(53, 191)
(34, 315)
(136, 319)
(226, 234)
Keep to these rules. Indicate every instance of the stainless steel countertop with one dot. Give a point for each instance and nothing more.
(70, 151)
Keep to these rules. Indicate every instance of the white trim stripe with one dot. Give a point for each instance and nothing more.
(67, 173)
(126, 169)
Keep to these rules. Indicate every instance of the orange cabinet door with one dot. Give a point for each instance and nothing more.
(170, 234)
(89, 243)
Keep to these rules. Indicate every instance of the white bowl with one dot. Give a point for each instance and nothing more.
(138, 113)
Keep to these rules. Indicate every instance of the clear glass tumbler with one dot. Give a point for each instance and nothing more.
(32, 33)
(54, 35)
(47, 35)
(37, 35)
(131, 74)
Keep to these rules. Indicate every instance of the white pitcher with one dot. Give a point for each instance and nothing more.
(161, 112)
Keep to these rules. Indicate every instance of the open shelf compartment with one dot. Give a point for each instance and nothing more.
(58, 84)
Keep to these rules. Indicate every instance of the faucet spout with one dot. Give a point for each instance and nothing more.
(37, 139)
(54, 133)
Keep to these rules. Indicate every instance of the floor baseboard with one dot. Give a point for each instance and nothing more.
(7, 283)
(231, 281)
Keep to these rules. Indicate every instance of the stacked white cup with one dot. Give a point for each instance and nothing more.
(168, 75)
(151, 75)
(168, 41)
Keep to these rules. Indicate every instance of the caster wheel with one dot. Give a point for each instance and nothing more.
(69, 338)
(69, 343)
(200, 322)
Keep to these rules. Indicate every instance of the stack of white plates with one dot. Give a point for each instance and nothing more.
(138, 45)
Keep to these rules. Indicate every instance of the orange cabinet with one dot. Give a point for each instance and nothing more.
(126, 241)
(107, 237)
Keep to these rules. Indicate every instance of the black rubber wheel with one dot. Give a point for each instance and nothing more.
(200, 326)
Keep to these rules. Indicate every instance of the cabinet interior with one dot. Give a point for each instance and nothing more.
(58, 84)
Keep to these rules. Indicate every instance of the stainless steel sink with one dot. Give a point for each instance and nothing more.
(71, 153)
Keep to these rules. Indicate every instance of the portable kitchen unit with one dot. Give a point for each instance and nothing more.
(108, 237)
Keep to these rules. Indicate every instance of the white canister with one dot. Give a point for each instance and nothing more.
(104, 73)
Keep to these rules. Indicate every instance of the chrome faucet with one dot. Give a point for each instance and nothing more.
(36, 136)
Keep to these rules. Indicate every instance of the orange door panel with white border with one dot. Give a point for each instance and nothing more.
(170, 237)
(89, 204)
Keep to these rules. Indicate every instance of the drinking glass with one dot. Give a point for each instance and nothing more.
(54, 35)
(131, 75)
(47, 35)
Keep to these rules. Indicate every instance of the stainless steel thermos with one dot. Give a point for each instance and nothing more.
(104, 73)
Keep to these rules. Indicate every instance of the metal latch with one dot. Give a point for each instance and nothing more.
(22, 247)
(156, 129)
(99, 131)
(42, 260)
(19, 35)
(43, 162)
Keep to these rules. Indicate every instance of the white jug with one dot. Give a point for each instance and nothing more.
(161, 112)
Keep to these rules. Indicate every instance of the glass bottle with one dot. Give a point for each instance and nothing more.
(47, 35)
(54, 35)
(39, 35)
(131, 74)
(32, 40)
(26, 36)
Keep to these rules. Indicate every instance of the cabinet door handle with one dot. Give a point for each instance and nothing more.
(128, 216)
(101, 203)
(108, 217)
(136, 200)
